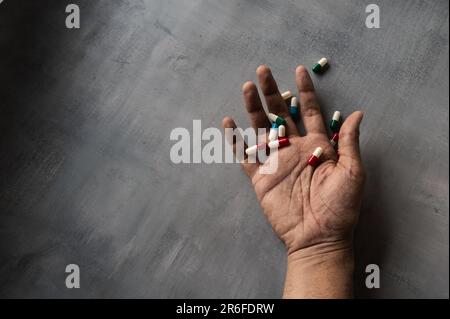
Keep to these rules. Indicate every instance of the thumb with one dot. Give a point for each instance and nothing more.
(349, 139)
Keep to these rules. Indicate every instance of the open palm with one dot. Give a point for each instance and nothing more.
(306, 206)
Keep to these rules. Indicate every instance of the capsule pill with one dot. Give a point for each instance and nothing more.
(286, 95)
(334, 139)
(315, 157)
(277, 119)
(279, 143)
(255, 148)
(335, 124)
(281, 131)
(273, 133)
(294, 108)
(319, 66)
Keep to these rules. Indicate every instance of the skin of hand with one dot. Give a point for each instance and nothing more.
(312, 210)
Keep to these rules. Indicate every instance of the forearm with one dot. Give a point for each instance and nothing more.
(324, 271)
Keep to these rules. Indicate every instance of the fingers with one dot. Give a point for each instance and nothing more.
(238, 143)
(258, 117)
(349, 153)
(309, 107)
(275, 102)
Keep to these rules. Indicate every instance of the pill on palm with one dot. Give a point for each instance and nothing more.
(273, 133)
(315, 157)
(279, 143)
(334, 139)
(253, 149)
(281, 131)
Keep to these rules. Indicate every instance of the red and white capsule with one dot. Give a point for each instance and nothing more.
(334, 140)
(255, 148)
(279, 143)
(315, 157)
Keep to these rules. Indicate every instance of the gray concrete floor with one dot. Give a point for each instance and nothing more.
(84, 143)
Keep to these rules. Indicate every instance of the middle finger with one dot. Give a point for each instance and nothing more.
(275, 102)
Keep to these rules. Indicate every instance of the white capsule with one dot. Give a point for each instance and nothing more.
(322, 62)
(286, 95)
(337, 116)
(273, 134)
(294, 102)
(251, 150)
(281, 131)
(317, 152)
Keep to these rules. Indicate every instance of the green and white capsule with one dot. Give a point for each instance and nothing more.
(277, 119)
(335, 124)
(318, 67)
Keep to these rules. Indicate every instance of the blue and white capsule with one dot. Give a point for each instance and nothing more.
(273, 133)
(294, 108)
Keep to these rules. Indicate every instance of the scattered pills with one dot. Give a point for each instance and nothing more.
(255, 148)
(279, 143)
(334, 139)
(318, 67)
(294, 108)
(315, 157)
(281, 131)
(286, 95)
(277, 119)
(334, 124)
(273, 133)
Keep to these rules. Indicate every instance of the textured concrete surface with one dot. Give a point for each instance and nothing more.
(84, 143)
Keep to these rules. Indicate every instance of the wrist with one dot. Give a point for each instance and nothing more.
(325, 250)
(321, 271)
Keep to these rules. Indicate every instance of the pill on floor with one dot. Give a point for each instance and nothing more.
(279, 143)
(334, 139)
(281, 131)
(273, 134)
(255, 148)
(315, 157)
(294, 108)
(334, 124)
(286, 95)
(318, 67)
(277, 119)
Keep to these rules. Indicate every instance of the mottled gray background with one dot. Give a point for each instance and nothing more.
(86, 116)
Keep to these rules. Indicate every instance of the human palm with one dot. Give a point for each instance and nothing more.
(306, 206)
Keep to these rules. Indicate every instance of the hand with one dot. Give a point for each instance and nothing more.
(312, 210)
